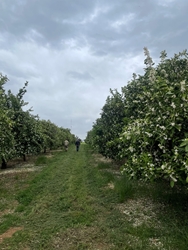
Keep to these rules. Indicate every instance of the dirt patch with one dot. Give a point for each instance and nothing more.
(99, 157)
(21, 169)
(110, 185)
(140, 211)
(143, 212)
(9, 233)
(6, 211)
(115, 167)
(49, 156)
(19, 163)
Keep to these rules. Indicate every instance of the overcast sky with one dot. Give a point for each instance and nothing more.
(73, 51)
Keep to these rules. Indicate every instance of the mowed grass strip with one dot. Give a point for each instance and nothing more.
(78, 202)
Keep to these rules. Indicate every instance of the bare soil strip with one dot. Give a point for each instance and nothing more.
(9, 233)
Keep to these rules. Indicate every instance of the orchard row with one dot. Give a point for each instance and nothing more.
(146, 125)
(21, 132)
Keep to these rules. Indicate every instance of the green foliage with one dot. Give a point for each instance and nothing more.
(6, 136)
(148, 131)
(54, 136)
(25, 128)
(108, 127)
(22, 133)
(151, 139)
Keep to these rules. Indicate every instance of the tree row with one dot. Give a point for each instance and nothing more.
(21, 132)
(145, 126)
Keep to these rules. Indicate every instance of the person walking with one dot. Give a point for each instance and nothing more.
(66, 143)
(77, 143)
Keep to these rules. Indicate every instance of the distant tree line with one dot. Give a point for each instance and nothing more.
(146, 124)
(21, 132)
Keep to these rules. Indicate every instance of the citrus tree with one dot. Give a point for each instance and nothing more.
(107, 128)
(154, 138)
(25, 128)
(6, 136)
(149, 130)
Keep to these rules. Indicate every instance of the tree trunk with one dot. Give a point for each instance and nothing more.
(24, 157)
(4, 164)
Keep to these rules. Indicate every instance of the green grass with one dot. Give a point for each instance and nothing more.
(80, 202)
(124, 188)
(41, 160)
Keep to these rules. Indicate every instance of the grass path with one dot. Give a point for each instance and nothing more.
(72, 204)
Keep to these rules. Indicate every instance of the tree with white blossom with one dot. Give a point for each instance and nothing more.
(153, 140)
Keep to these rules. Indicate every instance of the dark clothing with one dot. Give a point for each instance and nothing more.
(77, 143)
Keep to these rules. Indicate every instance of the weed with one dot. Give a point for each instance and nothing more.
(124, 188)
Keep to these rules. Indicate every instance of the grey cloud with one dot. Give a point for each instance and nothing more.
(73, 52)
(80, 76)
(64, 20)
(46, 17)
(149, 19)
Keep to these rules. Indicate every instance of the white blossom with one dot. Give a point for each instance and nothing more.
(182, 85)
(162, 127)
(131, 149)
(173, 105)
(173, 178)
(160, 146)
(163, 166)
